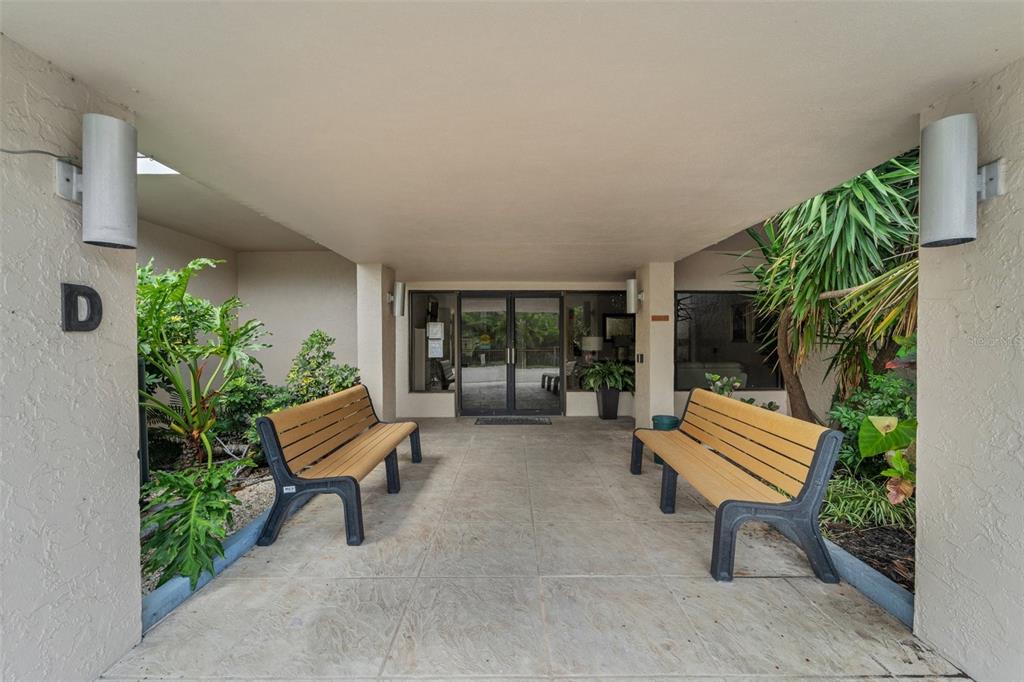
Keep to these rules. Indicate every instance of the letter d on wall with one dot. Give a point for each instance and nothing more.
(81, 308)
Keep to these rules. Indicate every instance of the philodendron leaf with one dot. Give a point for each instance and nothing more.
(874, 441)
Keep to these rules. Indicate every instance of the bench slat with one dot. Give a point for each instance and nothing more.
(793, 469)
(796, 431)
(372, 446)
(293, 435)
(300, 414)
(714, 477)
(353, 425)
(786, 447)
(300, 460)
(752, 464)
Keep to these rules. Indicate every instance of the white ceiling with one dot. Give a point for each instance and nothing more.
(520, 141)
(186, 206)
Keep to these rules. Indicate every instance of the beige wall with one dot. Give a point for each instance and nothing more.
(970, 506)
(69, 515)
(655, 341)
(172, 249)
(295, 292)
(376, 341)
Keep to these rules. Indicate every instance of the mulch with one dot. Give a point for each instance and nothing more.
(887, 549)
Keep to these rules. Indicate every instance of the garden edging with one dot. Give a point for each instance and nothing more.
(159, 603)
(892, 597)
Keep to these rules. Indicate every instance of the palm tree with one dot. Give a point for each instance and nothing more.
(822, 250)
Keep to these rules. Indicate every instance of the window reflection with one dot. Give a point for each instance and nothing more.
(433, 344)
(597, 328)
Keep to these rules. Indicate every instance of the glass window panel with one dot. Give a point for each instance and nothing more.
(432, 345)
(719, 333)
(597, 328)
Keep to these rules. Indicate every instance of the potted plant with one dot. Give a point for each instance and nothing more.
(607, 380)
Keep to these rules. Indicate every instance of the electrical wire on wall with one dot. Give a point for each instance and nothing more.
(59, 157)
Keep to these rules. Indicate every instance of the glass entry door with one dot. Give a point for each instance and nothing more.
(511, 346)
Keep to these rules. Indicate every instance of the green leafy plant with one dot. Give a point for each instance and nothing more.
(180, 338)
(728, 385)
(190, 511)
(886, 393)
(608, 374)
(314, 374)
(822, 249)
(894, 439)
(242, 400)
(863, 503)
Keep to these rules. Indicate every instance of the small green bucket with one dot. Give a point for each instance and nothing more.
(664, 422)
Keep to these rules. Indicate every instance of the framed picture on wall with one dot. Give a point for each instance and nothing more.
(619, 324)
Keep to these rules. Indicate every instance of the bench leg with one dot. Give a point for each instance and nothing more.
(347, 488)
(279, 513)
(668, 490)
(728, 520)
(809, 538)
(414, 443)
(391, 468)
(637, 457)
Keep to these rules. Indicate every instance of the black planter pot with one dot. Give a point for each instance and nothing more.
(608, 403)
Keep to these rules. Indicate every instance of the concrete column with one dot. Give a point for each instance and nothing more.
(970, 467)
(655, 334)
(375, 329)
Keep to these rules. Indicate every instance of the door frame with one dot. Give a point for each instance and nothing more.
(510, 384)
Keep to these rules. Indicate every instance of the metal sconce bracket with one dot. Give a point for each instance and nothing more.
(992, 180)
(68, 179)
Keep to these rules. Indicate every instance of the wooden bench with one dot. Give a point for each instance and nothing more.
(328, 446)
(753, 465)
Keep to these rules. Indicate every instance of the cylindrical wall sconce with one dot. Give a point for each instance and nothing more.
(949, 181)
(398, 300)
(634, 296)
(109, 213)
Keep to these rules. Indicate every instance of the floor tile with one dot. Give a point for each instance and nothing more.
(482, 549)
(591, 548)
(765, 626)
(889, 641)
(624, 626)
(471, 626)
(388, 550)
(574, 503)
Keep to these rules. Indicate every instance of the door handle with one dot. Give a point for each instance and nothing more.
(508, 355)
(513, 355)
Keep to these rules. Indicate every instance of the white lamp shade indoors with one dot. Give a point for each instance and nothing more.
(949, 181)
(592, 343)
(109, 211)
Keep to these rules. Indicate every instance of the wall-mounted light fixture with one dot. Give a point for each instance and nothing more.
(951, 182)
(396, 297)
(634, 296)
(105, 185)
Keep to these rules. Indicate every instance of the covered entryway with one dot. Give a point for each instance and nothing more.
(510, 353)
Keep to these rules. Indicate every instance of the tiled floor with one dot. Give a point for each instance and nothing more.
(524, 552)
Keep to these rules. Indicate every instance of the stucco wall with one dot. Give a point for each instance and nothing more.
(376, 342)
(970, 504)
(172, 249)
(295, 292)
(69, 516)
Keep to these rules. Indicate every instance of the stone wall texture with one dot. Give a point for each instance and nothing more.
(970, 542)
(69, 517)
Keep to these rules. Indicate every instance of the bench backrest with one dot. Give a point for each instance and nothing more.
(310, 431)
(778, 449)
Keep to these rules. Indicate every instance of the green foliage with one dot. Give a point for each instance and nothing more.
(314, 374)
(609, 374)
(728, 385)
(180, 336)
(191, 510)
(835, 241)
(242, 399)
(862, 503)
(878, 435)
(886, 394)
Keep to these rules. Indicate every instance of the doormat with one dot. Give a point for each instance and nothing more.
(513, 421)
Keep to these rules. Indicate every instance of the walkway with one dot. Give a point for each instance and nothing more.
(525, 551)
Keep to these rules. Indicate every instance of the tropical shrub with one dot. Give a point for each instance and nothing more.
(608, 374)
(189, 511)
(894, 439)
(886, 393)
(242, 399)
(314, 374)
(862, 503)
(180, 338)
(728, 385)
